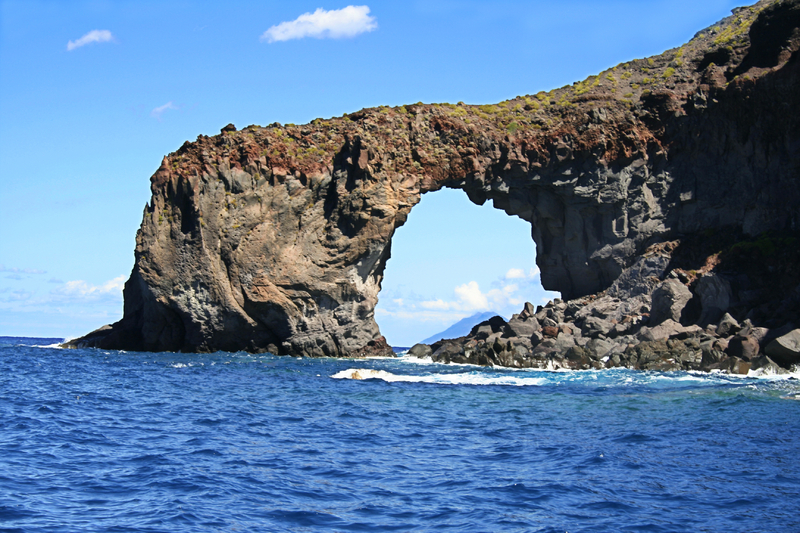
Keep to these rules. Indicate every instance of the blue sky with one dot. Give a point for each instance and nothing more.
(93, 94)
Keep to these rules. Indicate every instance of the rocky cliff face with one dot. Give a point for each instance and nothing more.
(275, 238)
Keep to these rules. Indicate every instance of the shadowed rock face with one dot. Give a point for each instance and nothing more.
(276, 238)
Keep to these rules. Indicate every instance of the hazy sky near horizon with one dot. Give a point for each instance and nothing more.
(94, 93)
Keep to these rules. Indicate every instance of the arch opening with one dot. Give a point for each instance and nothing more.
(454, 260)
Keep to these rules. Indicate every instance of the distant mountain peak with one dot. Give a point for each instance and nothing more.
(461, 328)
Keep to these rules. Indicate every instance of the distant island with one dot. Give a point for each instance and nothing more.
(662, 193)
(460, 328)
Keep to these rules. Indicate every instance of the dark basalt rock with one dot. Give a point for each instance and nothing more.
(275, 238)
(669, 300)
(785, 350)
(625, 336)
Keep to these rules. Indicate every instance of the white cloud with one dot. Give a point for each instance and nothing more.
(15, 270)
(156, 113)
(471, 297)
(515, 273)
(80, 290)
(518, 273)
(439, 305)
(334, 24)
(94, 36)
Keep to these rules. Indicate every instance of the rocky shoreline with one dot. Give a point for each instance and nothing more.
(637, 324)
(653, 180)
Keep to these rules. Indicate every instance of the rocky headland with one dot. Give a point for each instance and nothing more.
(663, 196)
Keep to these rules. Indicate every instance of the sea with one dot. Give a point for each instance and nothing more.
(111, 441)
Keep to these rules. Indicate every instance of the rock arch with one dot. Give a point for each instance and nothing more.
(276, 238)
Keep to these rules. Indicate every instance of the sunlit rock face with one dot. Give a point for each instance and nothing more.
(275, 238)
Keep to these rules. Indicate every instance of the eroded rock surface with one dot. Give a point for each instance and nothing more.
(275, 238)
(601, 331)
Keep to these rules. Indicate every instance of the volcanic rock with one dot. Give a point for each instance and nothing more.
(715, 297)
(727, 326)
(785, 349)
(275, 238)
(669, 299)
(743, 346)
(420, 350)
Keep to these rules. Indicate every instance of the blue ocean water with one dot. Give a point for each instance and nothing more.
(98, 440)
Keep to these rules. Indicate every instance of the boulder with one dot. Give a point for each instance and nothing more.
(448, 352)
(546, 348)
(599, 348)
(550, 331)
(646, 355)
(527, 311)
(669, 299)
(785, 350)
(640, 278)
(577, 358)
(759, 334)
(523, 327)
(715, 295)
(485, 329)
(593, 327)
(564, 343)
(733, 365)
(549, 322)
(764, 366)
(743, 346)
(711, 359)
(667, 330)
(691, 358)
(727, 326)
(420, 351)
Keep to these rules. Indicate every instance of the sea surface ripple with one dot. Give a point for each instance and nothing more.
(111, 441)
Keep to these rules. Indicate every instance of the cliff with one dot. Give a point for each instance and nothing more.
(275, 238)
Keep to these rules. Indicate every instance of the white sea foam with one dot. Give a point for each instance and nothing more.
(411, 360)
(461, 378)
(763, 373)
(187, 365)
(636, 378)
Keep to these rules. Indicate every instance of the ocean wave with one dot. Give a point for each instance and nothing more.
(613, 378)
(464, 378)
(690, 375)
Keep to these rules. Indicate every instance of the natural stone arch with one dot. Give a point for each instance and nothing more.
(237, 252)
(276, 238)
